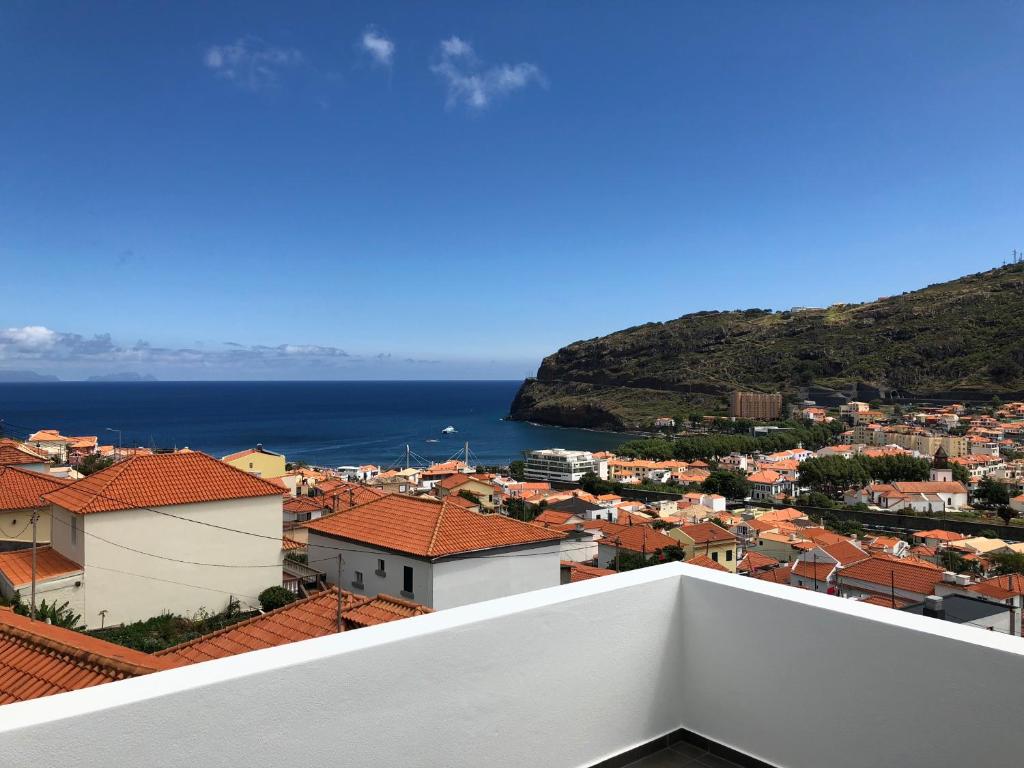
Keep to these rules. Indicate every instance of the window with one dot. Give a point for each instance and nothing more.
(358, 581)
(714, 556)
(381, 571)
(728, 555)
(407, 581)
(74, 530)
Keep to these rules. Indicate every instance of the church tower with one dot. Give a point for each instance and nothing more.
(940, 471)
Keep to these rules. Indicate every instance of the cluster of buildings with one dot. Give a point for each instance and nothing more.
(182, 532)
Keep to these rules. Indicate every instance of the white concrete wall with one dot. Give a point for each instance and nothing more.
(131, 586)
(323, 555)
(470, 580)
(428, 691)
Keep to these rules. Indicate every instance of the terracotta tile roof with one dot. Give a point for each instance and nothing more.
(637, 538)
(553, 517)
(779, 575)
(706, 533)
(886, 572)
(38, 659)
(248, 452)
(581, 572)
(14, 453)
(427, 527)
(845, 552)
(821, 536)
(706, 562)
(765, 477)
(287, 544)
(929, 487)
(301, 505)
(940, 535)
(16, 565)
(23, 489)
(160, 480)
(782, 515)
(887, 601)
(310, 617)
(48, 435)
(1000, 587)
(348, 495)
(755, 561)
(820, 570)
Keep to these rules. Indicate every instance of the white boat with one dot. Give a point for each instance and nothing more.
(448, 431)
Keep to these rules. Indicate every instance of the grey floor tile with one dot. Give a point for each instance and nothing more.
(664, 759)
(687, 749)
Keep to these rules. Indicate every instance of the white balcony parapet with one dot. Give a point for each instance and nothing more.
(567, 676)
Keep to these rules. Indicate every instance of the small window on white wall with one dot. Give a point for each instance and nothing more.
(74, 529)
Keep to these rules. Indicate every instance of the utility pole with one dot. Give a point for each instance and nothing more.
(340, 561)
(35, 522)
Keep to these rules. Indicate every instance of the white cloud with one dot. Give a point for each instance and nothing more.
(474, 85)
(456, 46)
(250, 63)
(27, 338)
(380, 48)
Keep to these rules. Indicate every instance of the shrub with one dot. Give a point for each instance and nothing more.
(275, 597)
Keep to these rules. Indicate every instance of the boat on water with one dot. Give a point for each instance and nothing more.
(432, 440)
(449, 430)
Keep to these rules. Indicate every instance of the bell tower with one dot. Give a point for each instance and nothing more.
(940, 471)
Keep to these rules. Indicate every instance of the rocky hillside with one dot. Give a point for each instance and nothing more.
(962, 339)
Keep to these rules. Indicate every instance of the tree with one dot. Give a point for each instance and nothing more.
(93, 463)
(469, 496)
(59, 615)
(1008, 562)
(732, 485)
(517, 470)
(591, 483)
(275, 597)
(960, 473)
(991, 491)
(518, 509)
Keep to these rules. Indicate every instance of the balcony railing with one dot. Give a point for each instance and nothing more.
(569, 676)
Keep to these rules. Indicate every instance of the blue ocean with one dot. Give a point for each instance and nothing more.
(327, 423)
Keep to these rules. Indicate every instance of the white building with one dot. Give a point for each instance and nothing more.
(436, 552)
(560, 465)
(154, 533)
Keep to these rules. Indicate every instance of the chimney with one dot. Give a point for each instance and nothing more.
(933, 607)
(579, 527)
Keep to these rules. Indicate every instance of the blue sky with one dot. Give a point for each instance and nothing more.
(390, 190)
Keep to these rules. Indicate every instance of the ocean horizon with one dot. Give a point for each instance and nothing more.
(322, 422)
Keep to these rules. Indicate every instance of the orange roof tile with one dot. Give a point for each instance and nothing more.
(160, 480)
(845, 552)
(636, 538)
(819, 571)
(427, 527)
(23, 489)
(348, 495)
(779, 574)
(940, 535)
(16, 565)
(310, 617)
(38, 659)
(889, 572)
(755, 561)
(14, 453)
(706, 533)
(581, 572)
(287, 544)
(706, 562)
(1000, 587)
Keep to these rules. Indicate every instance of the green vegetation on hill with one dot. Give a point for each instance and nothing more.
(693, 447)
(962, 338)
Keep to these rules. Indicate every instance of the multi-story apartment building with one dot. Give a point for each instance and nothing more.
(762, 406)
(911, 438)
(559, 465)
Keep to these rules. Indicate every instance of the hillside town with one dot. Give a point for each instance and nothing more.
(912, 510)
